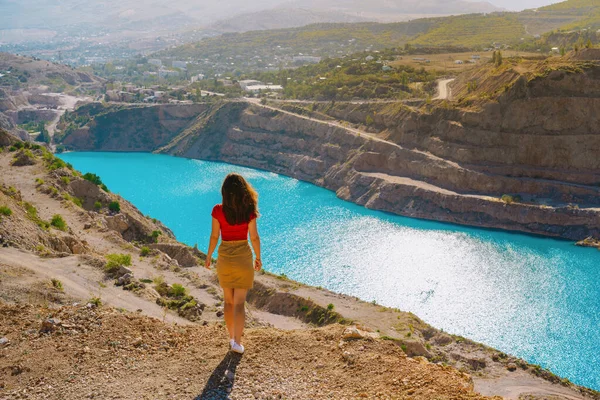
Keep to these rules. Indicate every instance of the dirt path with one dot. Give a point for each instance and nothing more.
(80, 281)
(520, 384)
(444, 91)
(68, 103)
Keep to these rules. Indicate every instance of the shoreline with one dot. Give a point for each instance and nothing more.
(75, 260)
(339, 293)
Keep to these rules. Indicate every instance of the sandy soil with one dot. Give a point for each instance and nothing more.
(102, 353)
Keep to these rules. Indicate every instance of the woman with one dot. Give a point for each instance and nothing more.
(233, 220)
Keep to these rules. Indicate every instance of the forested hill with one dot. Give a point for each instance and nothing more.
(326, 40)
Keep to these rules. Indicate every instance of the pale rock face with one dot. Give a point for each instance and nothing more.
(118, 223)
(353, 332)
(88, 193)
(182, 254)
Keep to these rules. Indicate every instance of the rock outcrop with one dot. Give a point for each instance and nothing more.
(383, 175)
(183, 254)
(148, 128)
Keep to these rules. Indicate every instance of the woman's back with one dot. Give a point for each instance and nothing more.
(231, 232)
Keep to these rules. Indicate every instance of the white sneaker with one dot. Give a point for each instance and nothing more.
(237, 348)
(231, 342)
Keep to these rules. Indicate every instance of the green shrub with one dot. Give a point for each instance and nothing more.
(5, 211)
(30, 209)
(145, 251)
(18, 145)
(12, 149)
(32, 215)
(116, 261)
(103, 187)
(155, 235)
(55, 163)
(65, 180)
(95, 301)
(509, 199)
(178, 290)
(330, 306)
(58, 222)
(57, 284)
(97, 205)
(39, 181)
(95, 179)
(114, 206)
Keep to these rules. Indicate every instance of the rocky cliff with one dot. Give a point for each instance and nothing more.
(384, 175)
(129, 128)
(523, 160)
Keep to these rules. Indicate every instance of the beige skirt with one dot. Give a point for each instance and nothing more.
(234, 265)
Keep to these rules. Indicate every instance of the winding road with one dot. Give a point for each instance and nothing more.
(444, 91)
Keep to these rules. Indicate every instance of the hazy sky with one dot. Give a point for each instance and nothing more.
(519, 5)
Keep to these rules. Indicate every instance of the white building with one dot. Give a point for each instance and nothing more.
(369, 58)
(155, 61)
(263, 88)
(458, 62)
(180, 64)
(249, 82)
(306, 59)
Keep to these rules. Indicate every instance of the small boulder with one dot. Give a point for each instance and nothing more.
(353, 332)
(414, 348)
(118, 223)
(22, 158)
(4, 342)
(50, 325)
(123, 271)
(124, 280)
(442, 339)
(511, 367)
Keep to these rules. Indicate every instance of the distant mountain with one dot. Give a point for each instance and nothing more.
(397, 10)
(567, 15)
(236, 15)
(121, 14)
(270, 48)
(281, 18)
(306, 12)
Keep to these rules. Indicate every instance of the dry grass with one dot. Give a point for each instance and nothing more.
(446, 61)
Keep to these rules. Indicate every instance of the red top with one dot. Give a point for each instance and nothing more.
(230, 232)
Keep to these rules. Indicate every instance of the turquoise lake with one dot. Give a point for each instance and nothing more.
(533, 297)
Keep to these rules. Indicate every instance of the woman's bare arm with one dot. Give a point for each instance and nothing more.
(255, 240)
(214, 239)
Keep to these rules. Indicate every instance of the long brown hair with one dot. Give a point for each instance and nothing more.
(240, 200)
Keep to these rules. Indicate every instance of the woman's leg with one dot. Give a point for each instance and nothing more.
(228, 310)
(239, 311)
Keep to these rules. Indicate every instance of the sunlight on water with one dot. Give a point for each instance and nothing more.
(536, 298)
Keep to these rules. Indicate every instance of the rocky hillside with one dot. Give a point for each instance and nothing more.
(90, 289)
(27, 71)
(34, 91)
(516, 149)
(96, 126)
